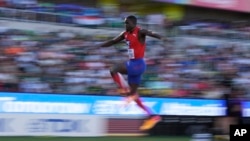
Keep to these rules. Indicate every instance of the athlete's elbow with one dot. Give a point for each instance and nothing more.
(112, 42)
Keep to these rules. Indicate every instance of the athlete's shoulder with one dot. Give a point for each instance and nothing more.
(124, 33)
(142, 31)
(138, 28)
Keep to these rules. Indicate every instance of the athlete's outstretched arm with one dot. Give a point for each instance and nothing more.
(112, 41)
(152, 34)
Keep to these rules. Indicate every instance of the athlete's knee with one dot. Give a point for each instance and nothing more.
(118, 68)
(113, 70)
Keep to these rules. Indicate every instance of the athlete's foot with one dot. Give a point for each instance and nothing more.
(129, 99)
(123, 91)
(150, 123)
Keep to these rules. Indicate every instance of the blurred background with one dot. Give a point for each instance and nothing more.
(210, 46)
(44, 48)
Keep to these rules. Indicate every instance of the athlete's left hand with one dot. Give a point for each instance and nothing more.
(166, 40)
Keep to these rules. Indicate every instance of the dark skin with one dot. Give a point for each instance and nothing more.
(121, 68)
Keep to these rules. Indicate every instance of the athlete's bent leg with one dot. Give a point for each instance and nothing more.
(116, 72)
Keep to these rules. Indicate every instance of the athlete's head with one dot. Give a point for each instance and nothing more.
(130, 22)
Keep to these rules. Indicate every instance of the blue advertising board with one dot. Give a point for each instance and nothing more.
(246, 108)
(106, 105)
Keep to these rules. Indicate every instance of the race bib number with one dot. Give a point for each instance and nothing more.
(128, 43)
(131, 54)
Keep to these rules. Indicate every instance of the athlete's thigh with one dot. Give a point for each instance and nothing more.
(134, 80)
(136, 67)
(120, 67)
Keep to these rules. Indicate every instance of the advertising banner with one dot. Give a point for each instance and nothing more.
(246, 109)
(106, 105)
(176, 1)
(51, 125)
(234, 5)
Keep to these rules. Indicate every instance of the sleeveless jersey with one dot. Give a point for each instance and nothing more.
(136, 49)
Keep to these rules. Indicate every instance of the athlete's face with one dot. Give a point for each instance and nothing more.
(129, 25)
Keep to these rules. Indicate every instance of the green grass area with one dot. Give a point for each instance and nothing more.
(95, 139)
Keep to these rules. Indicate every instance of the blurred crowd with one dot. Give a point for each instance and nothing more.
(64, 62)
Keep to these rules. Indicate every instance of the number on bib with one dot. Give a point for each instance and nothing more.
(131, 53)
(128, 43)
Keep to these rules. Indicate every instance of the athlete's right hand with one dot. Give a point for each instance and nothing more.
(166, 40)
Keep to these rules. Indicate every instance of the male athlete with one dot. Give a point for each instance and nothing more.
(134, 68)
